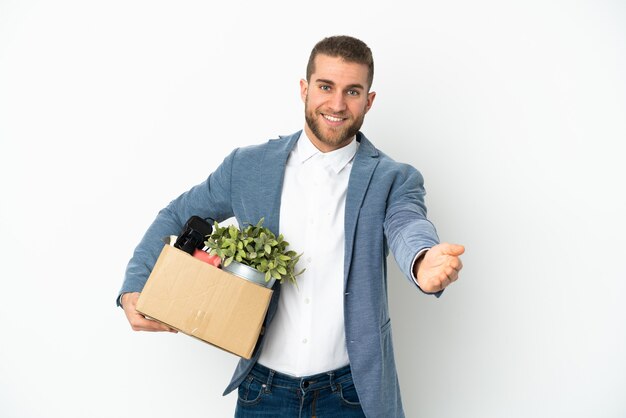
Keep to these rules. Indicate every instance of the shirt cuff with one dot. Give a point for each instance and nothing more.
(119, 300)
(417, 257)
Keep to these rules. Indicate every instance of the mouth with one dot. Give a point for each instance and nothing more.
(334, 120)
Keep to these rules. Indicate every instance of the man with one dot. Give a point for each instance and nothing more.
(328, 349)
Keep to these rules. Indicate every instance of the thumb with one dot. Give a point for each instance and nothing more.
(452, 249)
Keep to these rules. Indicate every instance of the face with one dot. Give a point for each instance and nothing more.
(336, 100)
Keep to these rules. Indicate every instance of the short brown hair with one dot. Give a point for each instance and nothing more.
(346, 47)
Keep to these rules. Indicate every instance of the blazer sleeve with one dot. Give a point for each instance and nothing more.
(406, 226)
(209, 199)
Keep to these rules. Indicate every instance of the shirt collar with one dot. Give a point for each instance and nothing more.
(337, 159)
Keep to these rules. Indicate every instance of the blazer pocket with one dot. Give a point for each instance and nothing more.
(385, 328)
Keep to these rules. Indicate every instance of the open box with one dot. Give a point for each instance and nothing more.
(205, 302)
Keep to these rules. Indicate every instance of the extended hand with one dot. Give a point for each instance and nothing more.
(439, 267)
(137, 321)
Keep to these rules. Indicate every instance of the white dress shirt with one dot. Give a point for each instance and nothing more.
(307, 334)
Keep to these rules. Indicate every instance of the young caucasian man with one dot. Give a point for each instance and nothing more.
(328, 350)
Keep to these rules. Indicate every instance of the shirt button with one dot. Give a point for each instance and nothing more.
(309, 259)
(307, 301)
(304, 341)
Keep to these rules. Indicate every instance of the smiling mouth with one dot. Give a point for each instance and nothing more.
(333, 118)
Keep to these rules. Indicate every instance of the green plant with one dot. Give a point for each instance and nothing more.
(255, 246)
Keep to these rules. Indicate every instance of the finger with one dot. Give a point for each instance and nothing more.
(440, 281)
(456, 263)
(153, 325)
(444, 282)
(452, 249)
(159, 327)
(140, 323)
(156, 326)
(451, 274)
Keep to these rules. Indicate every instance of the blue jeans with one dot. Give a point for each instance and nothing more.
(266, 393)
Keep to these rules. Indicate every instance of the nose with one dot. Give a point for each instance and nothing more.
(337, 102)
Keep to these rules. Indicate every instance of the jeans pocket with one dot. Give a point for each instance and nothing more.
(250, 391)
(348, 395)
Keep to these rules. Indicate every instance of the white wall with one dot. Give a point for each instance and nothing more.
(513, 111)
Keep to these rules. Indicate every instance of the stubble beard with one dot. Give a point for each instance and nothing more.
(335, 137)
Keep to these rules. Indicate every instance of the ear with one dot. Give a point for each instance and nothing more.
(304, 88)
(370, 100)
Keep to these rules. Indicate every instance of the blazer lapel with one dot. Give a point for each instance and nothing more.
(275, 159)
(365, 161)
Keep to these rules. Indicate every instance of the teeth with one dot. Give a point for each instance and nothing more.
(333, 119)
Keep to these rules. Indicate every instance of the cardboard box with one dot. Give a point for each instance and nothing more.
(205, 302)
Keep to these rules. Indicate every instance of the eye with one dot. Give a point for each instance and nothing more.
(325, 88)
(353, 92)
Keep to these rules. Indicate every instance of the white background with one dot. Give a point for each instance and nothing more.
(513, 111)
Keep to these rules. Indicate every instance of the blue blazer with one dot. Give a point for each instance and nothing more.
(384, 210)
